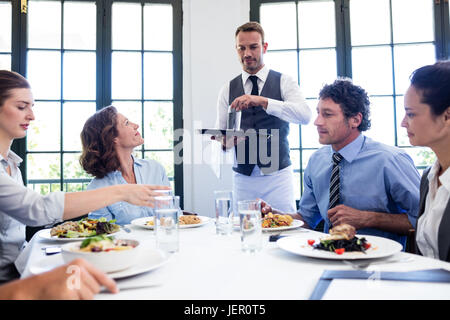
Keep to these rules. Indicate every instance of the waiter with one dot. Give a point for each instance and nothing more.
(262, 102)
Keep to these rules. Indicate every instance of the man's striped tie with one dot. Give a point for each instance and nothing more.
(334, 181)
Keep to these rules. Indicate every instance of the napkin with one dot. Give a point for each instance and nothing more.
(429, 275)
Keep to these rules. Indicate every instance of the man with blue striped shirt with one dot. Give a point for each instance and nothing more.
(378, 184)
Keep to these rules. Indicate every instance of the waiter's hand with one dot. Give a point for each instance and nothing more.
(248, 101)
(229, 142)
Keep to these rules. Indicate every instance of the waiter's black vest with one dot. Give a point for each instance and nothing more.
(256, 118)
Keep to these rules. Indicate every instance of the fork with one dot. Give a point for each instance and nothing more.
(126, 229)
(365, 264)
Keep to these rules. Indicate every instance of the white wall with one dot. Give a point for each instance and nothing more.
(209, 60)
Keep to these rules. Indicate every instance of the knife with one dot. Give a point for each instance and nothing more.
(187, 213)
(275, 237)
(51, 250)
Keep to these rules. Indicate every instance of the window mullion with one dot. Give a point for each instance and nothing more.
(441, 29)
(255, 6)
(103, 53)
(61, 103)
(394, 89)
(445, 15)
(178, 93)
(18, 64)
(438, 30)
(343, 42)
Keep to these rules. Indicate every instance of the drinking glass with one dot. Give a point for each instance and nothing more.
(224, 211)
(250, 225)
(165, 192)
(167, 211)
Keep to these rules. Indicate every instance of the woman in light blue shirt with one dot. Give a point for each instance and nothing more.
(108, 139)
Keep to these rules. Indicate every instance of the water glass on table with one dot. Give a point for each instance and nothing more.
(224, 212)
(250, 225)
(167, 211)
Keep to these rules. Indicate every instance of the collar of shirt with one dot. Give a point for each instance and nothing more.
(350, 151)
(11, 158)
(444, 178)
(136, 161)
(261, 74)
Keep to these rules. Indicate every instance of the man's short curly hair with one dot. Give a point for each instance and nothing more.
(352, 98)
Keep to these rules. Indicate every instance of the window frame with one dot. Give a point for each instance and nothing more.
(103, 50)
(344, 50)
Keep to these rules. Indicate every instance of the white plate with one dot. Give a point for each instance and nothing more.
(150, 259)
(380, 248)
(295, 224)
(46, 235)
(142, 222)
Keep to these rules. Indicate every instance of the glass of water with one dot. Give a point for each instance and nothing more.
(165, 192)
(167, 211)
(224, 212)
(250, 225)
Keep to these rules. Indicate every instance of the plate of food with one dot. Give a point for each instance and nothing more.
(186, 221)
(279, 222)
(341, 243)
(105, 253)
(119, 258)
(275, 222)
(81, 229)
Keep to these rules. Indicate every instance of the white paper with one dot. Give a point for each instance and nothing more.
(215, 157)
(373, 289)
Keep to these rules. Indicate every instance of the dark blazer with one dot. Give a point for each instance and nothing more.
(444, 227)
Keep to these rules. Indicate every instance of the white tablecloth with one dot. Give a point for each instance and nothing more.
(210, 267)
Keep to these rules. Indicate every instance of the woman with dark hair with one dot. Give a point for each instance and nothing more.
(20, 206)
(427, 121)
(108, 139)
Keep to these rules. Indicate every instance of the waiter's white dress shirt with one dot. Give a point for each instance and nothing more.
(276, 188)
(435, 204)
(20, 206)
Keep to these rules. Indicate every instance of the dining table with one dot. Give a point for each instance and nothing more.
(209, 266)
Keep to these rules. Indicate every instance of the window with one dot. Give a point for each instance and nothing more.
(142, 74)
(397, 46)
(373, 42)
(124, 53)
(61, 68)
(308, 36)
(5, 35)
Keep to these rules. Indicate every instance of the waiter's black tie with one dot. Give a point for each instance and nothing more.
(334, 181)
(254, 80)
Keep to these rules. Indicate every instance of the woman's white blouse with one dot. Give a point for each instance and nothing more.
(435, 204)
(20, 206)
